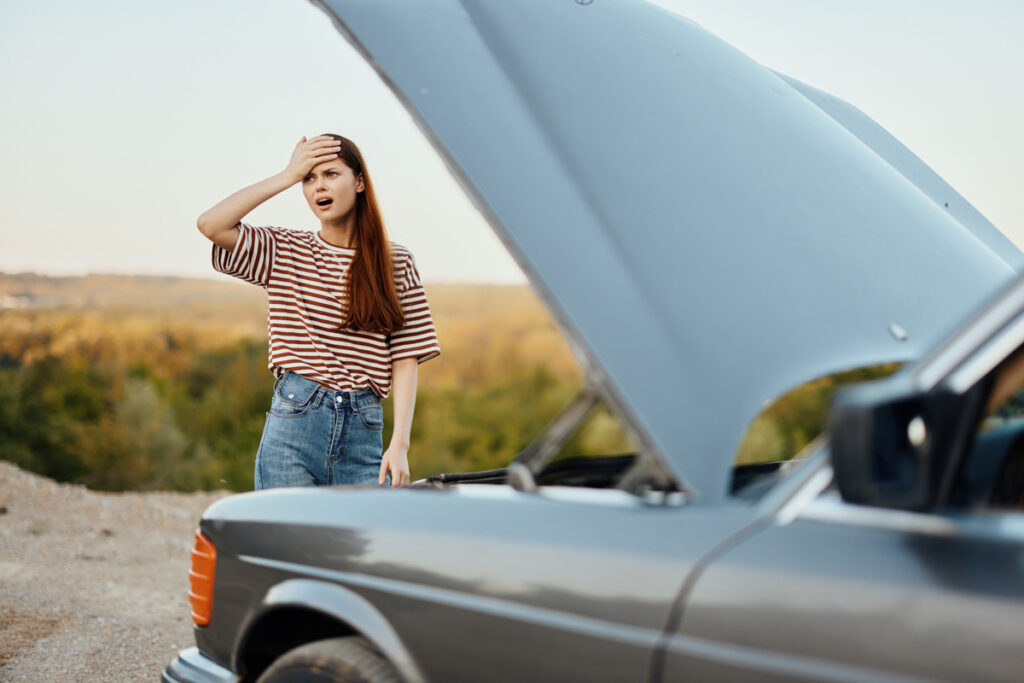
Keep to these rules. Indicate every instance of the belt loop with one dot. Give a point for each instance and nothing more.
(319, 396)
(352, 402)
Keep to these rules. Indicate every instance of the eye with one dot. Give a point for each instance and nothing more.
(332, 173)
(307, 179)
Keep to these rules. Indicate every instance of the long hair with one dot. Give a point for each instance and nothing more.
(372, 300)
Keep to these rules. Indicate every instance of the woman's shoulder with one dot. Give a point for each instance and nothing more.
(400, 254)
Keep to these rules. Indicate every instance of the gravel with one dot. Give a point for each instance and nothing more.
(93, 586)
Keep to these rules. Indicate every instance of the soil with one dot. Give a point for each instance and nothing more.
(93, 586)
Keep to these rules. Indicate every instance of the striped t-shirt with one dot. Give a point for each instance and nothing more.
(303, 276)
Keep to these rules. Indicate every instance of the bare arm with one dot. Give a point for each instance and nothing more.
(403, 387)
(220, 222)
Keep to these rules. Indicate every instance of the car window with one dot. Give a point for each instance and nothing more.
(992, 476)
(787, 424)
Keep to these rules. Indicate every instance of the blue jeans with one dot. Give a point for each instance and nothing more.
(315, 436)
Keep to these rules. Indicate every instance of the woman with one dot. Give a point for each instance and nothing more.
(347, 320)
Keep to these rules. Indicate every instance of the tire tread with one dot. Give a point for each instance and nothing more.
(351, 659)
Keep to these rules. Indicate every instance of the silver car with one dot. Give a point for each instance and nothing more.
(709, 234)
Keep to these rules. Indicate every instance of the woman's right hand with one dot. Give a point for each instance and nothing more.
(220, 222)
(309, 153)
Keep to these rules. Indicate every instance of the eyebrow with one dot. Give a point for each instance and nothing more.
(329, 168)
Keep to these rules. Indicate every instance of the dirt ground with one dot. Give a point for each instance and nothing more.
(93, 586)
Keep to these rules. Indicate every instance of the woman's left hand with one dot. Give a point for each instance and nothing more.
(396, 461)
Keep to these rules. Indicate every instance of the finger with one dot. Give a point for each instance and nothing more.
(382, 474)
(319, 144)
(323, 153)
(320, 158)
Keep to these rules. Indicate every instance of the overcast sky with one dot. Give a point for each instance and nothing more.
(122, 121)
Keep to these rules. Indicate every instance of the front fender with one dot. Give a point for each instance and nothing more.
(343, 605)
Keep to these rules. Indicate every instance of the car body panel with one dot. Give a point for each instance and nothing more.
(464, 573)
(912, 168)
(845, 588)
(672, 200)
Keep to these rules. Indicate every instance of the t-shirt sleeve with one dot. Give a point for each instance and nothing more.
(417, 339)
(252, 259)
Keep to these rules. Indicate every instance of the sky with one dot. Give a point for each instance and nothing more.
(121, 121)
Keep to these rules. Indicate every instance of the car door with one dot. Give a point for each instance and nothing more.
(848, 592)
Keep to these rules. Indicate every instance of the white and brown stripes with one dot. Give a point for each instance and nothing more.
(304, 276)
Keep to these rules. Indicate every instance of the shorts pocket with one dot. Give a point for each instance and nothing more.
(293, 396)
(372, 415)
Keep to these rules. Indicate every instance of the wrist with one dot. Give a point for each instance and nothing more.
(398, 443)
(288, 177)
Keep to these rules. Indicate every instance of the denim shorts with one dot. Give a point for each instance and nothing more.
(316, 436)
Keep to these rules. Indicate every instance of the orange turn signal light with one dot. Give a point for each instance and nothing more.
(200, 579)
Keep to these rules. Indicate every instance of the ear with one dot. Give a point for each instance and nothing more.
(359, 183)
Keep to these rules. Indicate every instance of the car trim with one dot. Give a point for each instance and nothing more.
(817, 482)
(635, 635)
(811, 473)
(758, 662)
(575, 495)
(991, 354)
(341, 603)
(985, 325)
(192, 666)
(995, 525)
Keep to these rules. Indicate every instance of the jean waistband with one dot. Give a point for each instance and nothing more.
(351, 395)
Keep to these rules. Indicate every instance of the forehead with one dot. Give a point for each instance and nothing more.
(336, 164)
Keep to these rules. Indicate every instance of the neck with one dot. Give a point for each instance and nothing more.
(339, 232)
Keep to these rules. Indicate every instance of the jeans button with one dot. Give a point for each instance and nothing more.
(338, 399)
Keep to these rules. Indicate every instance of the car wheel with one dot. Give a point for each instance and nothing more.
(351, 659)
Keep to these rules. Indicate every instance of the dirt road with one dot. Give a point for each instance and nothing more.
(93, 586)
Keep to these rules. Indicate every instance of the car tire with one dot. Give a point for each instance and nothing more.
(349, 660)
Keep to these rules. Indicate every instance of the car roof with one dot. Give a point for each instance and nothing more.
(708, 233)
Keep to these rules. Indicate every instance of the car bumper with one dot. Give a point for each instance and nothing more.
(192, 666)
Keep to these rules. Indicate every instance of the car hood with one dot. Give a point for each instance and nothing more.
(708, 233)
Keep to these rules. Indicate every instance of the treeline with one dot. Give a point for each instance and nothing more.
(153, 401)
(119, 427)
(167, 387)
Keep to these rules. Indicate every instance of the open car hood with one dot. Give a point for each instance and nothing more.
(709, 233)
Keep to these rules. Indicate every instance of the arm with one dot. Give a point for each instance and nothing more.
(396, 457)
(220, 223)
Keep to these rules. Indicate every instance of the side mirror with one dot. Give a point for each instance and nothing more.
(891, 445)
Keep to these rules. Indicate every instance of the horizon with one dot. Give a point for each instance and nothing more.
(218, 278)
(221, 278)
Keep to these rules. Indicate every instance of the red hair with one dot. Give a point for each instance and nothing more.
(372, 299)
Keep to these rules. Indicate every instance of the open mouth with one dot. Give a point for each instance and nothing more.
(325, 202)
